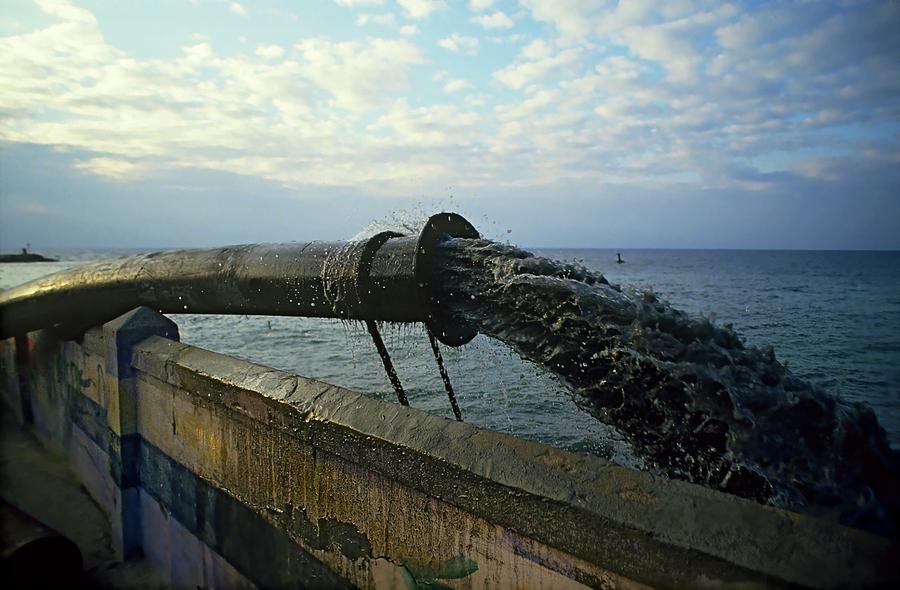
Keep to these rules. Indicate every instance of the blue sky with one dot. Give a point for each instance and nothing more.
(686, 124)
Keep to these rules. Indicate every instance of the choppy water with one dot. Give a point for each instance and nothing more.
(833, 317)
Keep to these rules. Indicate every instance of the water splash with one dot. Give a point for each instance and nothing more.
(408, 222)
(692, 400)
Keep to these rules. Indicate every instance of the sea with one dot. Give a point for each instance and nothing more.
(833, 317)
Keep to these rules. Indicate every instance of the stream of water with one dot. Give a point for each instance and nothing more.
(692, 400)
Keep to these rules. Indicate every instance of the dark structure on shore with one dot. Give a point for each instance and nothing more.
(25, 256)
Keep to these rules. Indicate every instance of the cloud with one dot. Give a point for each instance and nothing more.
(573, 19)
(513, 38)
(355, 3)
(384, 19)
(66, 11)
(528, 68)
(480, 5)
(448, 128)
(409, 30)
(357, 73)
(460, 44)
(282, 121)
(419, 9)
(497, 20)
(675, 45)
(237, 8)
(115, 168)
(538, 100)
(269, 51)
(537, 49)
(456, 84)
(615, 72)
(692, 94)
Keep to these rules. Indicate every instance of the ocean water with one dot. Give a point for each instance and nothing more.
(832, 317)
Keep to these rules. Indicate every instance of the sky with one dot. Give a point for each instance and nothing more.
(563, 123)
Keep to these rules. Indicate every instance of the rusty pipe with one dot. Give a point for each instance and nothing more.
(384, 278)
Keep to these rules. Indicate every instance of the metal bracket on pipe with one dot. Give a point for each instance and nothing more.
(345, 276)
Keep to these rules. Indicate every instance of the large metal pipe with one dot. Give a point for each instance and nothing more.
(34, 556)
(383, 278)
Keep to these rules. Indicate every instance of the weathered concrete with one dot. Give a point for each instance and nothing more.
(40, 482)
(43, 486)
(247, 475)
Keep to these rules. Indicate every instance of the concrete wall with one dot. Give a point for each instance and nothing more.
(227, 474)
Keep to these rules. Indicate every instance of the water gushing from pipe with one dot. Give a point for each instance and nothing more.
(695, 403)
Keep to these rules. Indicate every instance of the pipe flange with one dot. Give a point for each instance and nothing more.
(438, 228)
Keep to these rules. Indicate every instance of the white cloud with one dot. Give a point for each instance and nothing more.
(685, 90)
(676, 45)
(269, 51)
(386, 19)
(418, 9)
(475, 100)
(618, 68)
(460, 44)
(456, 84)
(238, 9)
(409, 30)
(513, 38)
(115, 168)
(480, 5)
(537, 49)
(540, 100)
(355, 3)
(529, 70)
(497, 20)
(198, 53)
(66, 11)
(432, 126)
(573, 19)
(357, 73)
(280, 121)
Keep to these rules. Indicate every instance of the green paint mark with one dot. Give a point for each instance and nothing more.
(425, 575)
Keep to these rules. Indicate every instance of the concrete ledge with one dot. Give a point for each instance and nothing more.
(584, 505)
